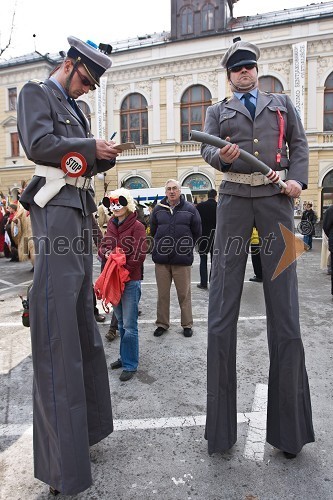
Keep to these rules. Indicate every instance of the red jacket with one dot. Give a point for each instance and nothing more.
(130, 236)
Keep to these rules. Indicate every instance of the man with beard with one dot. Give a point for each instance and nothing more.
(71, 394)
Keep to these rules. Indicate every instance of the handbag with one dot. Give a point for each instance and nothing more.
(25, 305)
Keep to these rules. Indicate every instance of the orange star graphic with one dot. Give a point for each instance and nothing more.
(294, 249)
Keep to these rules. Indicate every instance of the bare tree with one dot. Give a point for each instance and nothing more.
(2, 49)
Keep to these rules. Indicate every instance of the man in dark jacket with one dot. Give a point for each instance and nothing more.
(308, 221)
(176, 226)
(328, 230)
(207, 211)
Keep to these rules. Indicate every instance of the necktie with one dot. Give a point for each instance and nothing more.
(72, 103)
(77, 110)
(249, 105)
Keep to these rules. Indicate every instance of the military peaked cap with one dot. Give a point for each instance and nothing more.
(95, 61)
(240, 53)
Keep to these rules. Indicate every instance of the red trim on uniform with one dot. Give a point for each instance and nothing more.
(281, 130)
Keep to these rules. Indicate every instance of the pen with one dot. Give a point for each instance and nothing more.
(112, 136)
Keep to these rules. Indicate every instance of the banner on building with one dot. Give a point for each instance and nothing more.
(299, 65)
(100, 107)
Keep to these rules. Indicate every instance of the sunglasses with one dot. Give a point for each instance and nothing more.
(237, 69)
(85, 81)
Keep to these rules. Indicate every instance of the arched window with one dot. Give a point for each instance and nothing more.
(328, 104)
(270, 84)
(187, 21)
(207, 17)
(199, 184)
(86, 110)
(193, 106)
(135, 182)
(134, 119)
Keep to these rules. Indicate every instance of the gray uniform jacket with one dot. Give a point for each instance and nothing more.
(260, 138)
(48, 129)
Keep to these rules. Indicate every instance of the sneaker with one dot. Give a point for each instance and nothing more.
(255, 279)
(159, 331)
(125, 375)
(111, 334)
(99, 318)
(116, 364)
(53, 491)
(188, 332)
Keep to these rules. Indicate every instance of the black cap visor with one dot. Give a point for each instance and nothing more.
(242, 63)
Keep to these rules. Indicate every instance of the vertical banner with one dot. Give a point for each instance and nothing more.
(299, 66)
(100, 107)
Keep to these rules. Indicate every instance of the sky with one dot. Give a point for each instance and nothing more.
(104, 21)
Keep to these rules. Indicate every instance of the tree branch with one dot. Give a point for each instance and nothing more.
(2, 50)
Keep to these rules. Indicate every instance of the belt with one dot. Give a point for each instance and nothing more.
(51, 173)
(255, 179)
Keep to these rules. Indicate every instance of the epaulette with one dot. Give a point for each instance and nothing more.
(35, 80)
(226, 99)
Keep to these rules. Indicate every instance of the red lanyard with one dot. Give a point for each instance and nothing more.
(281, 129)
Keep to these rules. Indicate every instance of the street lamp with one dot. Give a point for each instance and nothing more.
(102, 177)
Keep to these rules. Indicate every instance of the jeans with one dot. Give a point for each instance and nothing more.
(127, 315)
(204, 268)
(308, 240)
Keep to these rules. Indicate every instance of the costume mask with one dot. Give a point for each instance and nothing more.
(115, 204)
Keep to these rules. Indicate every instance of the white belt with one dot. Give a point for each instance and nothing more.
(255, 179)
(51, 173)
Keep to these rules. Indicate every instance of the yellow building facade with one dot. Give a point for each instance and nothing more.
(161, 71)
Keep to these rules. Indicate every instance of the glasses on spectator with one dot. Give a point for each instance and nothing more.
(237, 69)
(85, 81)
(172, 188)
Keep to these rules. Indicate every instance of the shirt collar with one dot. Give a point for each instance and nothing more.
(253, 92)
(173, 206)
(60, 87)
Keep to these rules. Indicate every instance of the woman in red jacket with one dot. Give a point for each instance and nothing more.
(126, 232)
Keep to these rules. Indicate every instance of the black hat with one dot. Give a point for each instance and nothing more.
(87, 53)
(240, 53)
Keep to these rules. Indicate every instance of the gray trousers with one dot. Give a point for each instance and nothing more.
(71, 395)
(289, 416)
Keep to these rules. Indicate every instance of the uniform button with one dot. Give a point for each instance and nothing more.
(256, 153)
(68, 121)
(255, 140)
